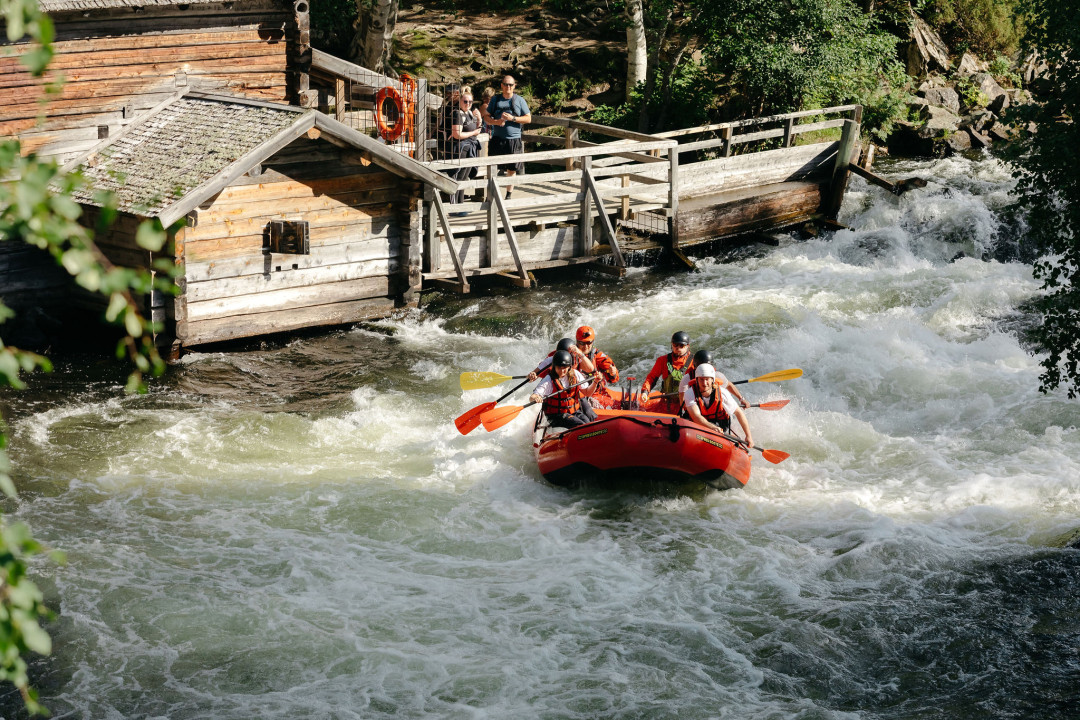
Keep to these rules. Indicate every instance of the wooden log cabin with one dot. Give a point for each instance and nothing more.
(281, 217)
(198, 114)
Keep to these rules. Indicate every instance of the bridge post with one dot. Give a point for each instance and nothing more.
(849, 141)
(584, 239)
(673, 195)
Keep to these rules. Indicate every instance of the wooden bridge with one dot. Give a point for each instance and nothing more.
(593, 202)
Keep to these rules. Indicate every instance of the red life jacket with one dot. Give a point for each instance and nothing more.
(603, 364)
(713, 410)
(562, 401)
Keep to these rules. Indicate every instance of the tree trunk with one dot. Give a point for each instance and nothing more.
(637, 59)
(371, 46)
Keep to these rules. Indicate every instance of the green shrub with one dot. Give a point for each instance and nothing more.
(987, 27)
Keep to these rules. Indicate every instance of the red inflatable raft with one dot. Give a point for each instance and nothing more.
(634, 445)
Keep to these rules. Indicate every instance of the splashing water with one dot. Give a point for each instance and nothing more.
(297, 530)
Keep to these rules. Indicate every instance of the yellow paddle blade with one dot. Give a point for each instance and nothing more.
(477, 380)
(778, 375)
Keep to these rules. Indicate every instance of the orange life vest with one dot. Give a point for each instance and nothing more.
(563, 401)
(603, 364)
(713, 410)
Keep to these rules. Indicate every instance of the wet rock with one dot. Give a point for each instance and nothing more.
(958, 142)
(999, 131)
(978, 139)
(978, 120)
(944, 97)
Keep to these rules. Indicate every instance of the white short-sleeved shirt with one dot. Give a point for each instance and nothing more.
(730, 403)
(546, 387)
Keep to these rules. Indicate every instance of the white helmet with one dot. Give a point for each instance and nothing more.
(705, 370)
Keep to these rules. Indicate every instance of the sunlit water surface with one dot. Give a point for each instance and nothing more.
(295, 529)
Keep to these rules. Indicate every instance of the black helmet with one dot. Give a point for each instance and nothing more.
(565, 344)
(680, 338)
(561, 358)
(702, 357)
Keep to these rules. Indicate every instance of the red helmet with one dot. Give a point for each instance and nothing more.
(585, 334)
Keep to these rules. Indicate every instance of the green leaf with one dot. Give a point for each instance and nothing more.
(7, 486)
(132, 323)
(150, 237)
(36, 639)
(117, 304)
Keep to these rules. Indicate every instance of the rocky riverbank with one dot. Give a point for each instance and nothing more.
(959, 105)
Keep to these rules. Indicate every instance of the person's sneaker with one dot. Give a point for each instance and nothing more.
(509, 194)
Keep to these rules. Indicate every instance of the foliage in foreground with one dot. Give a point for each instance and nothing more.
(1048, 189)
(38, 209)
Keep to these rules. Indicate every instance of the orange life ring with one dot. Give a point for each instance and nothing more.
(408, 87)
(390, 134)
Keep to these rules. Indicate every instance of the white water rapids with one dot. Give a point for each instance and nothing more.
(295, 529)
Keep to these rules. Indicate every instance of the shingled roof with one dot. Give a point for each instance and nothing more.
(55, 6)
(186, 150)
(184, 145)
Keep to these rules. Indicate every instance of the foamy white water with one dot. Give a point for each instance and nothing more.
(297, 530)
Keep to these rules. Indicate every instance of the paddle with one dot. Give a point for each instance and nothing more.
(773, 456)
(773, 376)
(494, 419)
(470, 420)
(477, 380)
(771, 405)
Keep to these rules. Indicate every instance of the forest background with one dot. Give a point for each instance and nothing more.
(646, 65)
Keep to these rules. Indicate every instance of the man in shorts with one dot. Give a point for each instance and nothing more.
(508, 112)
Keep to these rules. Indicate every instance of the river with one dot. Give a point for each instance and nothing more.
(294, 529)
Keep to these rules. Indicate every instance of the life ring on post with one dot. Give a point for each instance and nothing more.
(386, 132)
(408, 87)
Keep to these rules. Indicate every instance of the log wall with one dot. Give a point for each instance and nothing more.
(119, 62)
(359, 233)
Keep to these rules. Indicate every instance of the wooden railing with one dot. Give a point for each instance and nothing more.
(576, 194)
(730, 135)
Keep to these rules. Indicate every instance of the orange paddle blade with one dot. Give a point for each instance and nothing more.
(775, 456)
(470, 420)
(772, 405)
(494, 419)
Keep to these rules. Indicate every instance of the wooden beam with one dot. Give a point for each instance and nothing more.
(584, 239)
(848, 143)
(511, 238)
(392, 160)
(339, 99)
(838, 109)
(448, 235)
(577, 152)
(605, 221)
(491, 246)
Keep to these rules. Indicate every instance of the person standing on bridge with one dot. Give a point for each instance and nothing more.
(465, 126)
(507, 113)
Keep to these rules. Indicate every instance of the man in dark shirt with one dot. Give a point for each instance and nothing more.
(508, 112)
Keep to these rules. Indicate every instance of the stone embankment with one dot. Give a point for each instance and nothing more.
(959, 106)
